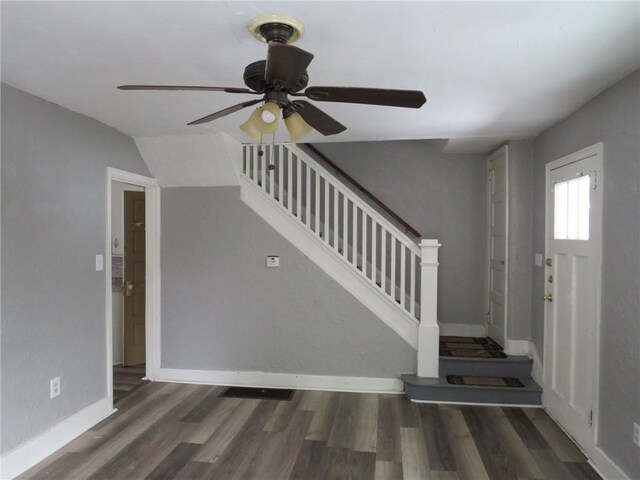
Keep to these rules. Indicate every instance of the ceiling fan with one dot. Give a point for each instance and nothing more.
(283, 76)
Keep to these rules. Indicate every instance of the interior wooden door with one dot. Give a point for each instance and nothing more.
(572, 291)
(134, 278)
(497, 218)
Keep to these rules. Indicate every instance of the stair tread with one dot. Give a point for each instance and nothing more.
(510, 358)
(441, 382)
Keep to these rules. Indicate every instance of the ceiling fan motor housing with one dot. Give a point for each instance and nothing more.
(254, 74)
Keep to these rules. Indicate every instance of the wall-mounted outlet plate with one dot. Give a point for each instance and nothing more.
(55, 387)
(636, 434)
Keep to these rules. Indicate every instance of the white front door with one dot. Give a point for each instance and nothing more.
(572, 290)
(498, 257)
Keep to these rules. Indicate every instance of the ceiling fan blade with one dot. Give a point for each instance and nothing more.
(286, 64)
(369, 96)
(224, 112)
(319, 120)
(187, 87)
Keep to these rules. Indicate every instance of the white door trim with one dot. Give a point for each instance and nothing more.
(152, 288)
(596, 151)
(502, 150)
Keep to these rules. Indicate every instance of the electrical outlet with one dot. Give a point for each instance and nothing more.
(55, 387)
(636, 434)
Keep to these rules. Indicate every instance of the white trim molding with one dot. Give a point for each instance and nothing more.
(463, 329)
(282, 380)
(25, 456)
(152, 265)
(606, 467)
(517, 347)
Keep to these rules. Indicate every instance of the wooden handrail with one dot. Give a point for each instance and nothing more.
(366, 192)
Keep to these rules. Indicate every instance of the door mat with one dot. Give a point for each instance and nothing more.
(472, 353)
(509, 382)
(261, 393)
(470, 347)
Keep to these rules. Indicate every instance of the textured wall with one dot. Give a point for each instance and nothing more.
(613, 117)
(222, 309)
(444, 197)
(53, 224)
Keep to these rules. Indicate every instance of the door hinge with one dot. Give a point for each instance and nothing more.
(590, 418)
(595, 180)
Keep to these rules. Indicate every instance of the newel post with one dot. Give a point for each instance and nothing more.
(428, 331)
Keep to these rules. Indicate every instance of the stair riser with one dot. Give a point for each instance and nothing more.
(507, 396)
(497, 368)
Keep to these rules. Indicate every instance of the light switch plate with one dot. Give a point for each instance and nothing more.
(537, 259)
(99, 263)
(55, 387)
(636, 434)
(273, 261)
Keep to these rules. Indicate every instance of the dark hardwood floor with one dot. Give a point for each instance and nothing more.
(125, 379)
(176, 431)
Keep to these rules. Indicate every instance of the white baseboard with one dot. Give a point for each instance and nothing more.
(536, 370)
(462, 330)
(517, 347)
(25, 456)
(282, 380)
(607, 469)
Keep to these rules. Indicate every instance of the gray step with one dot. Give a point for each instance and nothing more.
(512, 366)
(439, 390)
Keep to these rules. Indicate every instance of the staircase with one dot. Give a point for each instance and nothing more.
(439, 390)
(380, 265)
(362, 250)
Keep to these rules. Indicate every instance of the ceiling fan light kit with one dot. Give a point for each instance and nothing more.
(284, 74)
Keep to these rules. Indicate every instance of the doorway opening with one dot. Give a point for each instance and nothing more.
(128, 287)
(132, 309)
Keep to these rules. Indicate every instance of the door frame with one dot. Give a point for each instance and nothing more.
(503, 149)
(152, 273)
(596, 151)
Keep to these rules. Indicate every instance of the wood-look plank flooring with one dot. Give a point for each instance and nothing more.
(125, 379)
(176, 431)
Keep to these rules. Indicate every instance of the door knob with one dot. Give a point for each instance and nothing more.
(129, 288)
(548, 297)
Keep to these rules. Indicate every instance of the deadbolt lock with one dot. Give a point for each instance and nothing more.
(549, 262)
(548, 297)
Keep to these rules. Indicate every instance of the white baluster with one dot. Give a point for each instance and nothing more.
(326, 208)
(374, 251)
(336, 217)
(392, 279)
(364, 243)
(354, 237)
(403, 275)
(317, 205)
(280, 174)
(308, 196)
(412, 285)
(289, 180)
(345, 226)
(383, 259)
(298, 163)
(263, 167)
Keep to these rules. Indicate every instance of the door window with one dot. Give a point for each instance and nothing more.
(571, 204)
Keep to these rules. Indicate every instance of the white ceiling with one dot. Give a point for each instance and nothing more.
(490, 70)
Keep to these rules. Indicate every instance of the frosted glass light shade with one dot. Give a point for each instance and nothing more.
(268, 110)
(250, 129)
(297, 127)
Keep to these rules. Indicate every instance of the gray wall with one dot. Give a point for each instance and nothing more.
(53, 224)
(520, 263)
(222, 309)
(444, 197)
(613, 117)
